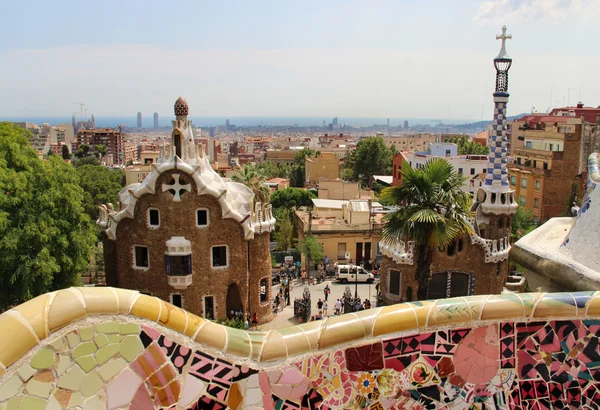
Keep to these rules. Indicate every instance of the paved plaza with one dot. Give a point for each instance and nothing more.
(286, 318)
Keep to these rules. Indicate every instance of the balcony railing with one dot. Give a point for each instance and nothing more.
(180, 282)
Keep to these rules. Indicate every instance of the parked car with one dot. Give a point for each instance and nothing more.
(353, 273)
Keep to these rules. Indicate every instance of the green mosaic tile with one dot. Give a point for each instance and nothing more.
(42, 359)
(26, 371)
(129, 328)
(76, 399)
(115, 338)
(73, 339)
(33, 403)
(58, 344)
(14, 403)
(94, 403)
(10, 387)
(84, 349)
(71, 379)
(111, 368)
(37, 388)
(91, 384)
(86, 333)
(100, 340)
(131, 347)
(62, 364)
(87, 363)
(108, 327)
(106, 352)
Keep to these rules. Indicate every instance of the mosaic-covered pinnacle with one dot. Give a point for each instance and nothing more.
(181, 107)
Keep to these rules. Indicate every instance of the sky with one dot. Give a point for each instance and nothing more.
(375, 58)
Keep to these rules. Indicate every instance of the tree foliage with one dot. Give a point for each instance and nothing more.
(522, 223)
(292, 198)
(371, 157)
(466, 147)
(311, 248)
(101, 186)
(65, 152)
(299, 167)
(250, 176)
(284, 234)
(433, 212)
(45, 236)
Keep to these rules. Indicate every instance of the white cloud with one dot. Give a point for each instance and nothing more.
(527, 11)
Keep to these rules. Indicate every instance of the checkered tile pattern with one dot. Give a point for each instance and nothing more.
(497, 174)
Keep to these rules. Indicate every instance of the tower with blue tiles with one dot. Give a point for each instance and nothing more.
(495, 202)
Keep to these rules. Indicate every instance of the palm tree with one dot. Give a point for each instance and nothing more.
(433, 212)
(253, 179)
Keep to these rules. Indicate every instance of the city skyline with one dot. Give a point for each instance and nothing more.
(349, 59)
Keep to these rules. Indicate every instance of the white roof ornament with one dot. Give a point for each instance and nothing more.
(503, 37)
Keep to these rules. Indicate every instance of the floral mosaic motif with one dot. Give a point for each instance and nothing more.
(522, 365)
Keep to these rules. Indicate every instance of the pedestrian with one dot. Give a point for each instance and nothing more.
(326, 291)
(377, 287)
(338, 307)
(326, 260)
(320, 306)
(325, 307)
(276, 304)
(255, 321)
(303, 276)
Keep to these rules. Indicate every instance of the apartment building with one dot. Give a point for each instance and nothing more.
(111, 138)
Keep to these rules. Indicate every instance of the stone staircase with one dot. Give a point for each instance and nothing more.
(515, 283)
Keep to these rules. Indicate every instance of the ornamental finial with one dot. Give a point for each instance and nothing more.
(503, 37)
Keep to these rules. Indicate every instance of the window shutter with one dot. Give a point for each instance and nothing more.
(168, 264)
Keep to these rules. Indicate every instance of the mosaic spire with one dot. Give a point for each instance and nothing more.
(497, 174)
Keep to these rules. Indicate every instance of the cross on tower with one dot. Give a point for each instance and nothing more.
(176, 187)
(503, 37)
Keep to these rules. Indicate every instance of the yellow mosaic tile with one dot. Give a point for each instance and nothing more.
(274, 348)
(341, 329)
(147, 307)
(295, 340)
(395, 319)
(21, 339)
(238, 342)
(34, 311)
(556, 305)
(66, 308)
(194, 322)
(212, 335)
(501, 306)
(99, 302)
(124, 298)
(593, 305)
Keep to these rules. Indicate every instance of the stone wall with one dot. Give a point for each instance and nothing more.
(489, 277)
(96, 348)
(179, 219)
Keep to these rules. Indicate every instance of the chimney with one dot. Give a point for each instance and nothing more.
(579, 104)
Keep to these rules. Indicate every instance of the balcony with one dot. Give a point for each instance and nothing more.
(180, 282)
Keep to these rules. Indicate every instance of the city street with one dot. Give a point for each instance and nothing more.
(286, 317)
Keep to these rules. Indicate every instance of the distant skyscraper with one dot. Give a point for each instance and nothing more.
(74, 122)
(139, 120)
(211, 131)
(227, 124)
(324, 124)
(93, 124)
(155, 120)
(335, 121)
(405, 125)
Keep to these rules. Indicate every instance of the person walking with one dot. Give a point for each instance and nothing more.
(255, 321)
(303, 276)
(326, 291)
(338, 307)
(325, 308)
(320, 306)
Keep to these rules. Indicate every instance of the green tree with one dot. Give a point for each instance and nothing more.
(312, 249)
(284, 234)
(522, 223)
(466, 147)
(45, 236)
(299, 166)
(87, 160)
(371, 157)
(433, 212)
(101, 149)
(292, 198)
(83, 151)
(253, 179)
(65, 152)
(100, 185)
(269, 170)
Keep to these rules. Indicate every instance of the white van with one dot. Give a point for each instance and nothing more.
(353, 273)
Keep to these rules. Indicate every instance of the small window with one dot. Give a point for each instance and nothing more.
(536, 203)
(451, 249)
(409, 294)
(141, 257)
(460, 245)
(538, 184)
(522, 200)
(535, 220)
(219, 256)
(529, 144)
(202, 217)
(395, 282)
(178, 265)
(523, 182)
(177, 300)
(209, 307)
(153, 218)
(513, 180)
(263, 290)
(460, 171)
(472, 171)
(447, 152)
